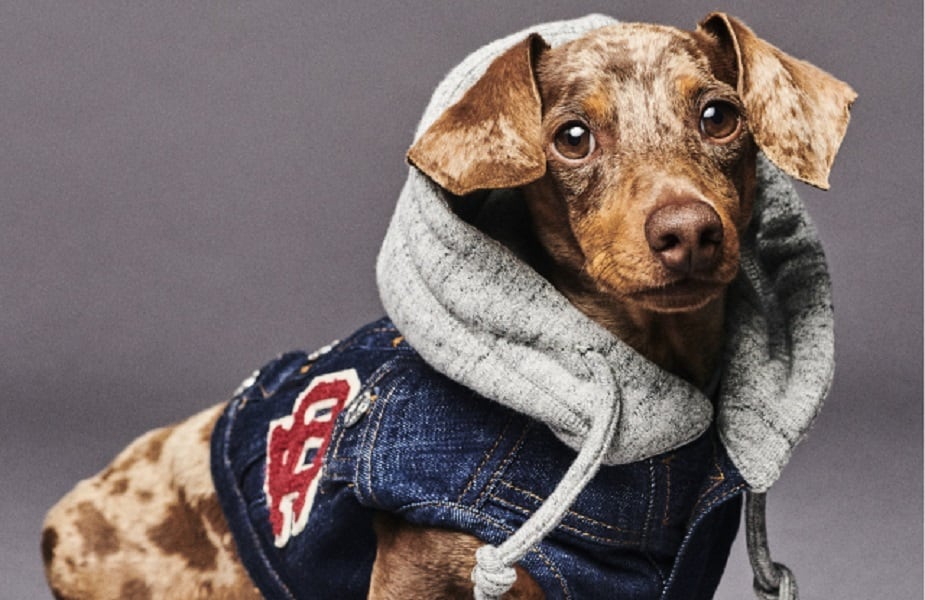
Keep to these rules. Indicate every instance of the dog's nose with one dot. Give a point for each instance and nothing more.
(686, 236)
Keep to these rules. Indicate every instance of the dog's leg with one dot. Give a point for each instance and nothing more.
(148, 526)
(419, 562)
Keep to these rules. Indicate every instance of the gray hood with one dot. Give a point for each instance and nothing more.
(481, 316)
(484, 318)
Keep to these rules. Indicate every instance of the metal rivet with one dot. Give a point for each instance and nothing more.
(358, 408)
(322, 351)
(247, 383)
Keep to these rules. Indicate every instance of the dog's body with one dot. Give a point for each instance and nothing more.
(635, 147)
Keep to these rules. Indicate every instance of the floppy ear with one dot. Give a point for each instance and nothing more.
(492, 137)
(797, 113)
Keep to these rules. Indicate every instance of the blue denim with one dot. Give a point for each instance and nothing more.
(439, 455)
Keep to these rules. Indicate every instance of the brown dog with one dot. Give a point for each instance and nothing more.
(635, 147)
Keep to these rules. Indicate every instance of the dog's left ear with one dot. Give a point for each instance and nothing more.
(492, 137)
(797, 112)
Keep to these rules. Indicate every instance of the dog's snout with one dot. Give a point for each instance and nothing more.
(686, 236)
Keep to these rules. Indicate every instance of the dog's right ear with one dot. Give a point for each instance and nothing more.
(492, 137)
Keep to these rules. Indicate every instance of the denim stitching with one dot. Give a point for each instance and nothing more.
(256, 545)
(697, 517)
(726, 496)
(485, 459)
(578, 532)
(658, 570)
(372, 444)
(494, 522)
(649, 504)
(375, 378)
(667, 462)
(553, 570)
(717, 480)
(571, 512)
(502, 466)
(354, 341)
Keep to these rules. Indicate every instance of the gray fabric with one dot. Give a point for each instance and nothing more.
(780, 355)
(486, 319)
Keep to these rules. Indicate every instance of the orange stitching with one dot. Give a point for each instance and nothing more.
(717, 479)
(372, 444)
(484, 461)
(569, 528)
(571, 512)
(502, 465)
(554, 571)
(536, 497)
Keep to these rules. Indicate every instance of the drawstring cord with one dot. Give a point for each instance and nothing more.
(773, 581)
(494, 571)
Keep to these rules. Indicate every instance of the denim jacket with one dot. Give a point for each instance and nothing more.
(375, 428)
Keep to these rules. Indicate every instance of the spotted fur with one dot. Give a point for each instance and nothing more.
(148, 526)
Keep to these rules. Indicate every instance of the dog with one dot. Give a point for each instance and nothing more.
(635, 149)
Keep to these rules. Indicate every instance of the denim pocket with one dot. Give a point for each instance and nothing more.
(611, 511)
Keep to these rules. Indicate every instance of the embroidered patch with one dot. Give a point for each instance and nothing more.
(296, 445)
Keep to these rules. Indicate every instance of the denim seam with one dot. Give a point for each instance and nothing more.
(502, 466)
(571, 512)
(282, 377)
(733, 491)
(650, 502)
(354, 341)
(371, 445)
(666, 518)
(650, 510)
(256, 544)
(699, 511)
(494, 522)
(577, 532)
(646, 552)
(717, 479)
(375, 378)
(488, 454)
(702, 514)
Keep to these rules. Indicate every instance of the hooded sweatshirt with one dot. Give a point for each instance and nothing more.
(487, 403)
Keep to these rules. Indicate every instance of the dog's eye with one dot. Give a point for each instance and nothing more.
(574, 141)
(719, 121)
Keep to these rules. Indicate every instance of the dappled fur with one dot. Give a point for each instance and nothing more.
(148, 526)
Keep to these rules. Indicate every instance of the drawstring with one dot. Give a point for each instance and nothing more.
(494, 571)
(773, 581)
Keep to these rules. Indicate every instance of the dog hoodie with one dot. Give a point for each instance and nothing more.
(485, 402)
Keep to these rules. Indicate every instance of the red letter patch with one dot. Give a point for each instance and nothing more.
(296, 445)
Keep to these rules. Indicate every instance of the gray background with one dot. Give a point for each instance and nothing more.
(188, 188)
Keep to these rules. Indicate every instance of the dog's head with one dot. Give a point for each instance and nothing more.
(635, 146)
